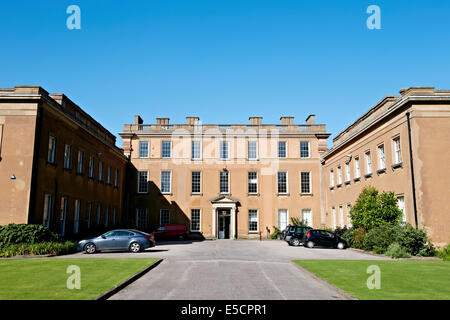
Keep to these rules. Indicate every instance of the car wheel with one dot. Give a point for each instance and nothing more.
(181, 238)
(90, 248)
(295, 242)
(310, 244)
(340, 245)
(135, 247)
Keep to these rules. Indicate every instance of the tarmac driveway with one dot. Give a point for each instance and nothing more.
(230, 269)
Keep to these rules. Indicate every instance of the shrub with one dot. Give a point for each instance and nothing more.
(395, 250)
(378, 239)
(276, 232)
(444, 253)
(412, 239)
(42, 248)
(355, 237)
(340, 231)
(373, 209)
(25, 233)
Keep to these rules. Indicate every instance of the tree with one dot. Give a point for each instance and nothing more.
(373, 209)
(299, 222)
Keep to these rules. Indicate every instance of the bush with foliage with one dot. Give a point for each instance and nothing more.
(42, 248)
(298, 222)
(378, 239)
(25, 233)
(444, 253)
(412, 239)
(396, 250)
(373, 209)
(340, 231)
(275, 233)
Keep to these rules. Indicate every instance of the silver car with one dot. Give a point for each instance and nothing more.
(115, 240)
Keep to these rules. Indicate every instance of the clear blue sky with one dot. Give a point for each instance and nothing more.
(225, 60)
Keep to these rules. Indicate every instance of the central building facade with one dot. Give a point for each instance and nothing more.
(225, 181)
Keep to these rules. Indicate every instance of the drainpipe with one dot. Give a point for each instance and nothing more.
(412, 168)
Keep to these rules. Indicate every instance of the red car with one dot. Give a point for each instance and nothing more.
(174, 231)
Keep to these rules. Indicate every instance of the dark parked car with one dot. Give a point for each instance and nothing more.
(295, 235)
(171, 231)
(115, 240)
(323, 238)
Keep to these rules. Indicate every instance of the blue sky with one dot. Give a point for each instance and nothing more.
(225, 60)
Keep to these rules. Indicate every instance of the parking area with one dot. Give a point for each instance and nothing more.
(230, 269)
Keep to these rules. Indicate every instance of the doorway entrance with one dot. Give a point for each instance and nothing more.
(224, 216)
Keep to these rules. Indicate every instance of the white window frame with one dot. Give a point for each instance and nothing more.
(357, 168)
(341, 216)
(256, 149)
(349, 219)
(397, 150)
(161, 216)
(253, 182)
(309, 182)
(368, 157)
(309, 150)
(169, 181)
(228, 182)
(162, 149)
(347, 172)
(339, 172)
(381, 157)
(287, 218)
(200, 182)
(193, 149)
(141, 149)
(309, 213)
(139, 182)
(287, 182)
(285, 149)
(402, 207)
(224, 146)
(333, 217)
(253, 211)
(199, 220)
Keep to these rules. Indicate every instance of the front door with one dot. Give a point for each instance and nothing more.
(224, 224)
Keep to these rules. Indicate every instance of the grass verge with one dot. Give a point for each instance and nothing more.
(400, 280)
(46, 279)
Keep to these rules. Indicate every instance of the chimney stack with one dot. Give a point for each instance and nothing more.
(162, 121)
(192, 120)
(138, 119)
(311, 119)
(255, 121)
(287, 120)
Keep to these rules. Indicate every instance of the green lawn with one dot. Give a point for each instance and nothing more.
(400, 280)
(45, 279)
